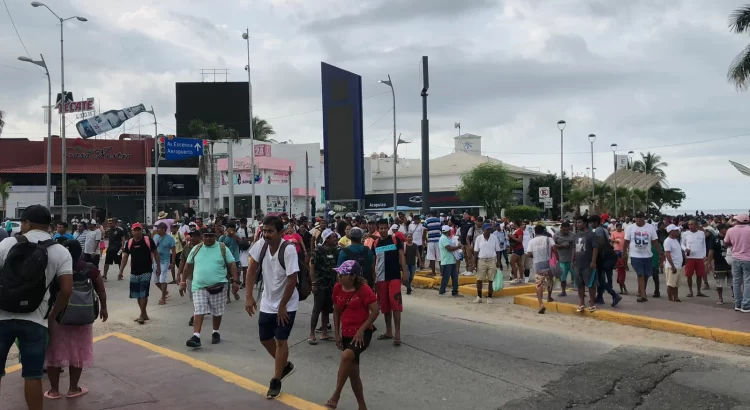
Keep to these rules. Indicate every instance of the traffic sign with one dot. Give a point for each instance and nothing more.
(547, 205)
(548, 201)
(544, 192)
(181, 148)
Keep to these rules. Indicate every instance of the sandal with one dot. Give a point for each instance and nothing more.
(690, 295)
(312, 342)
(331, 404)
(384, 337)
(236, 296)
(397, 342)
(641, 299)
(162, 301)
(51, 397)
(140, 321)
(119, 277)
(592, 309)
(702, 295)
(326, 338)
(542, 310)
(78, 394)
(580, 309)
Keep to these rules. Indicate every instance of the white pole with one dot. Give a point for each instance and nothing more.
(230, 176)
(252, 137)
(156, 166)
(64, 166)
(49, 133)
(395, 148)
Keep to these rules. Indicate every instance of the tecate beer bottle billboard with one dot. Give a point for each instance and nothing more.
(107, 121)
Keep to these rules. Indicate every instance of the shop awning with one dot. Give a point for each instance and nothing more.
(77, 169)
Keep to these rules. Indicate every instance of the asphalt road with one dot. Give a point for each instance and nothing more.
(459, 355)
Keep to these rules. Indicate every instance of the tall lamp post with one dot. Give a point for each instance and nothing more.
(632, 192)
(389, 83)
(561, 125)
(614, 155)
(43, 64)
(592, 138)
(246, 36)
(63, 168)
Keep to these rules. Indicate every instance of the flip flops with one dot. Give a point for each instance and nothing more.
(384, 337)
(312, 342)
(78, 394)
(331, 404)
(49, 396)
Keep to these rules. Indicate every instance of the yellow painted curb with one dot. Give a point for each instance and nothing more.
(227, 376)
(424, 282)
(703, 332)
(471, 290)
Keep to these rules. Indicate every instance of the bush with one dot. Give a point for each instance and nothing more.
(522, 212)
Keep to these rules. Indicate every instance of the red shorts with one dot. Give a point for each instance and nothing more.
(621, 273)
(695, 266)
(389, 296)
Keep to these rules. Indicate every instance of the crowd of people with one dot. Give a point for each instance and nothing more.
(350, 266)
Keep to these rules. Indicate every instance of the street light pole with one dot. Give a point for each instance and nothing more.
(561, 125)
(592, 138)
(614, 155)
(246, 36)
(43, 64)
(63, 168)
(389, 83)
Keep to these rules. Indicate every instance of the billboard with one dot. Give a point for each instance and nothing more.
(413, 200)
(223, 103)
(342, 134)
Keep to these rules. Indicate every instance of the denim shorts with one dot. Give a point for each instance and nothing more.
(642, 266)
(32, 345)
(269, 328)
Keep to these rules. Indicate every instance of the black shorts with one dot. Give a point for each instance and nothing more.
(112, 257)
(269, 328)
(323, 301)
(347, 344)
(92, 259)
(518, 252)
(178, 258)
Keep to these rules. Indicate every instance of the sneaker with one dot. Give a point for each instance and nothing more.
(194, 342)
(489, 300)
(443, 294)
(478, 299)
(616, 300)
(737, 309)
(274, 389)
(215, 338)
(408, 291)
(288, 370)
(657, 294)
(745, 310)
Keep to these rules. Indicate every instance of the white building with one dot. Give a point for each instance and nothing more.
(445, 177)
(276, 165)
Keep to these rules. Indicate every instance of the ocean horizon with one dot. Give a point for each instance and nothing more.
(728, 211)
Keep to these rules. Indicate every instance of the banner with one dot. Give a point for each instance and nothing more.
(622, 162)
(276, 204)
(107, 121)
(270, 177)
(240, 177)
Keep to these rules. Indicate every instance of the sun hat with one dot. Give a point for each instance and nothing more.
(349, 268)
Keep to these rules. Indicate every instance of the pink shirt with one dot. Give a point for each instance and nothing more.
(739, 238)
(618, 240)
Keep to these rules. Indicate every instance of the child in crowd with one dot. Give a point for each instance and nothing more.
(621, 275)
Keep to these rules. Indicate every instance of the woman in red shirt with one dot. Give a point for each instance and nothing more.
(355, 310)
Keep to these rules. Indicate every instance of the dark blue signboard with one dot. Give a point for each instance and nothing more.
(181, 148)
(342, 134)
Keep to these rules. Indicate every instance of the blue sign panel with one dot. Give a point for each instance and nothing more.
(181, 148)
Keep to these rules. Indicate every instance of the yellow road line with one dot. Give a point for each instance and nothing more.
(703, 332)
(227, 376)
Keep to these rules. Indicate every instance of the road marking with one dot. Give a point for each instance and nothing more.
(227, 376)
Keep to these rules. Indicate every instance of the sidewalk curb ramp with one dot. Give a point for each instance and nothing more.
(709, 333)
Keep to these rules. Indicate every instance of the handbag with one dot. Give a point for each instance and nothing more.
(499, 281)
(554, 265)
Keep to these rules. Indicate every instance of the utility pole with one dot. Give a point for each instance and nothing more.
(307, 186)
(230, 176)
(425, 141)
(290, 191)
(212, 196)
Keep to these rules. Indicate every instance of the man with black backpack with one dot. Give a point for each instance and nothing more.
(605, 263)
(278, 264)
(30, 262)
(360, 253)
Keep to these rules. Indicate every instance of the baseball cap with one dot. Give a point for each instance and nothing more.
(192, 224)
(349, 268)
(445, 228)
(209, 231)
(356, 233)
(741, 218)
(136, 225)
(394, 226)
(92, 222)
(37, 214)
(672, 227)
(487, 226)
(327, 233)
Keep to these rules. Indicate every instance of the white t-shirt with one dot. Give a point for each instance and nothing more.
(59, 262)
(486, 248)
(528, 234)
(274, 277)
(540, 248)
(696, 242)
(640, 238)
(417, 232)
(675, 250)
(92, 242)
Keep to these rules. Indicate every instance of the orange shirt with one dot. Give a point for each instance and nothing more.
(618, 240)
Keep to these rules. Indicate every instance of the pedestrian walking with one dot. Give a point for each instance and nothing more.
(389, 265)
(142, 253)
(738, 237)
(165, 246)
(323, 274)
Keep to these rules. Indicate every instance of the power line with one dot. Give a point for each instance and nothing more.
(376, 121)
(16, 68)
(18, 34)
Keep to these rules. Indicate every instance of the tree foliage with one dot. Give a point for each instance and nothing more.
(262, 130)
(651, 164)
(669, 197)
(490, 185)
(2, 122)
(76, 187)
(212, 132)
(739, 69)
(523, 212)
(553, 182)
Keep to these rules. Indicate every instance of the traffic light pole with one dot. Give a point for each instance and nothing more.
(156, 166)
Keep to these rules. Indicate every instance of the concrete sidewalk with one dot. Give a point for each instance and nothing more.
(133, 374)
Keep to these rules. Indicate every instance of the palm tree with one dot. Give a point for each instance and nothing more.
(212, 132)
(2, 122)
(578, 197)
(651, 164)
(106, 185)
(739, 70)
(262, 129)
(77, 187)
(5, 188)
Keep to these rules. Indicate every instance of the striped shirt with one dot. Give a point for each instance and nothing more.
(433, 229)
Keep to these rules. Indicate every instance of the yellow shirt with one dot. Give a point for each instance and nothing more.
(344, 242)
(177, 241)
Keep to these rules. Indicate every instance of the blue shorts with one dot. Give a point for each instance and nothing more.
(32, 345)
(565, 269)
(269, 328)
(642, 266)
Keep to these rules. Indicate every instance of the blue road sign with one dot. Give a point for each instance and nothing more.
(181, 148)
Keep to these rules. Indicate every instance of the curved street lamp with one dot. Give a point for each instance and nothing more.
(561, 126)
(614, 155)
(592, 138)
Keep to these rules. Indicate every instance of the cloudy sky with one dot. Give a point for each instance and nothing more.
(648, 75)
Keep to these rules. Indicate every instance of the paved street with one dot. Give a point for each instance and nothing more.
(459, 355)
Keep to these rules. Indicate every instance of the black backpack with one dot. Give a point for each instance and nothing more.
(304, 284)
(23, 276)
(361, 259)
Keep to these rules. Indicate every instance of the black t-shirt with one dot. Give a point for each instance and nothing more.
(720, 253)
(466, 225)
(116, 236)
(140, 256)
(388, 249)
